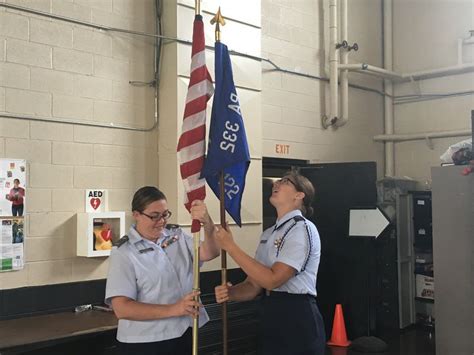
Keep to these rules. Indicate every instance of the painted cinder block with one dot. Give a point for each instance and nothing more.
(92, 41)
(92, 87)
(13, 25)
(39, 200)
(54, 33)
(72, 10)
(32, 150)
(68, 200)
(110, 68)
(50, 272)
(14, 75)
(50, 176)
(51, 131)
(46, 224)
(52, 81)
(28, 102)
(68, 153)
(34, 54)
(72, 61)
(10, 127)
(72, 107)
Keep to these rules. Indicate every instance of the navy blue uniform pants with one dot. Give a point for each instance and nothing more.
(178, 346)
(291, 324)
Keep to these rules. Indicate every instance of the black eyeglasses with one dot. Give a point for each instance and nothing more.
(286, 181)
(155, 218)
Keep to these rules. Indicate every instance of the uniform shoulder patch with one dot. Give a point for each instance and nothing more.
(121, 241)
(298, 218)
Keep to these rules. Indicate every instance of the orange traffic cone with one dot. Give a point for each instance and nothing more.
(339, 336)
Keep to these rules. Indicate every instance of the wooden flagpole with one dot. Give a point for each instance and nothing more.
(196, 239)
(219, 20)
(223, 265)
(196, 287)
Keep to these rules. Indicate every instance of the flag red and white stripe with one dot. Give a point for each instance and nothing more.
(192, 142)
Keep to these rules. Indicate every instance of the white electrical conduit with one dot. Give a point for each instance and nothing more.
(333, 64)
(421, 136)
(341, 121)
(372, 70)
(436, 73)
(388, 86)
(422, 75)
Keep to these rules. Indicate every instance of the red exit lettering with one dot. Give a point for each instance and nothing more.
(282, 148)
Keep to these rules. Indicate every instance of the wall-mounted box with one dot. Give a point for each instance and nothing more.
(97, 231)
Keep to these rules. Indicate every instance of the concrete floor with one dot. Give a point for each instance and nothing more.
(410, 342)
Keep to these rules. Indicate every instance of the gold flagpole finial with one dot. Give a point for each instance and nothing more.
(218, 19)
(197, 7)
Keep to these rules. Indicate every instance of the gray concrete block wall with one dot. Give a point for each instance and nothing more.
(294, 36)
(55, 69)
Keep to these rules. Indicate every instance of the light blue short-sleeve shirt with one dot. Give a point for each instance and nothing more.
(155, 273)
(294, 242)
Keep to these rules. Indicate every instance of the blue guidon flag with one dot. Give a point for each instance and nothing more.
(228, 150)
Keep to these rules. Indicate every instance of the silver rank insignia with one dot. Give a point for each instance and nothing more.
(166, 243)
(277, 242)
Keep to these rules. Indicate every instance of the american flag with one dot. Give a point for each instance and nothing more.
(192, 142)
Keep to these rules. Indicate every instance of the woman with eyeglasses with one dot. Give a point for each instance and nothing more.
(284, 271)
(150, 279)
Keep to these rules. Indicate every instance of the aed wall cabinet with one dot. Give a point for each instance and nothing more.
(97, 231)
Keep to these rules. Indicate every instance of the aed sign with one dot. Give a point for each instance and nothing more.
(96, 201)
(283, 149)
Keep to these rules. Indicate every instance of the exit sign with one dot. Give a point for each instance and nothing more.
(283, 149)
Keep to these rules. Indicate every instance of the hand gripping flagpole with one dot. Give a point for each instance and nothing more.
(218, 20)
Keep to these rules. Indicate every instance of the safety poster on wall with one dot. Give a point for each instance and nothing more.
(11, 243)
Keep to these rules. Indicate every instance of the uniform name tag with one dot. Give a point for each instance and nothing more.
(263, 241)
(141, 251)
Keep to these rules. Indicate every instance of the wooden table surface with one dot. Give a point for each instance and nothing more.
(37, 329)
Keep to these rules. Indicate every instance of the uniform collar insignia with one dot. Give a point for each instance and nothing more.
(168, 241)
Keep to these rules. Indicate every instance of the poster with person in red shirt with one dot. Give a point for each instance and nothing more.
(17, 197)
(12, 187)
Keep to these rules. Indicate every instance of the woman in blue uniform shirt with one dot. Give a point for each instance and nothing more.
(284, 270)
(150, 279)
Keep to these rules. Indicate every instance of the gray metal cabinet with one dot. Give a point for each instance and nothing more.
(453, 248)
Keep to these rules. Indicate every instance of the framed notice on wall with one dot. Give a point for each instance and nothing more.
(12, 208)
(11, 243)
